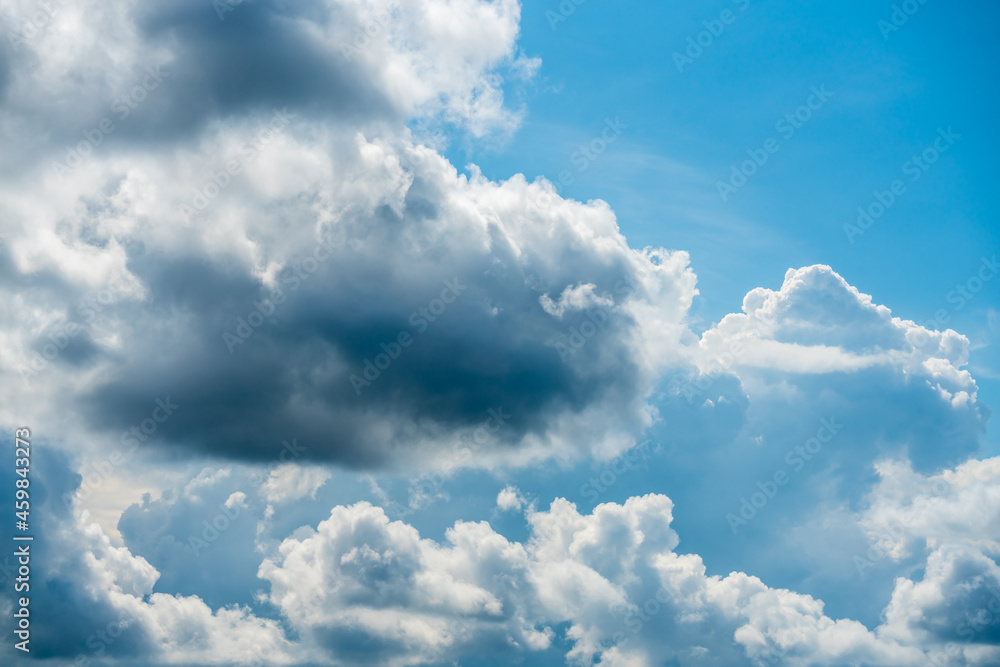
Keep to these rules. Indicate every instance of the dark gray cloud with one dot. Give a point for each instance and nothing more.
(195, 69)
(260, 56)
(292, 376)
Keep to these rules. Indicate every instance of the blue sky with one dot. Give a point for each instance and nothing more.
(486, 332)
(687, 128)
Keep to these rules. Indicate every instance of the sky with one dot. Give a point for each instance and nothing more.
(468, 332)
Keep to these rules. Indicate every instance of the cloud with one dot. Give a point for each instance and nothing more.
(262, 240)
(328, 320)
(91, 600)
(228, 231)
(510, 498)
(375, 63)
(820, 341)
(611, 578)
(946, 523)
(906, 510)
(292, 482)
(369, 590)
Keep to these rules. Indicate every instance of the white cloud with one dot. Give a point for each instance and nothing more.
(586, 373)
(510, 498)
(293, 482)
(612, 576)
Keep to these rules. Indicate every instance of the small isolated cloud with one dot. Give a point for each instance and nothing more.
(291, 482)
(510, 498)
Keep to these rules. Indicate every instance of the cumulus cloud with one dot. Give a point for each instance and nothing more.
(819, 343)
(946, 523)
(91, 600)
(355, 62)
(510, 498)
(326, 318)
(228, 227)
(608, 586)
(610, 578)
(293, 262)
(907, 510)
